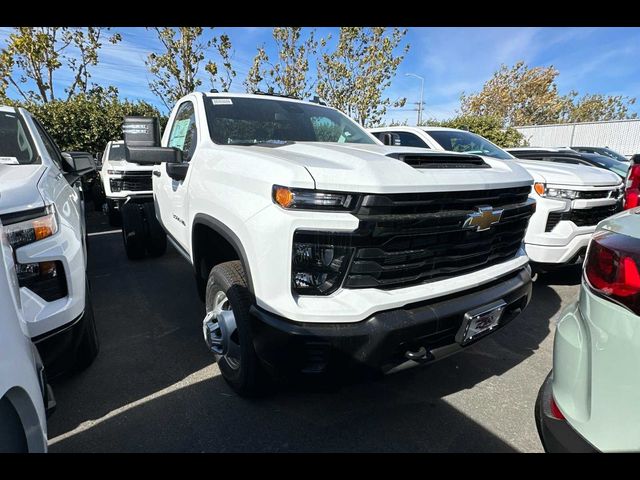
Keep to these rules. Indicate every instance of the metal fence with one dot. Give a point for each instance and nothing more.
(623, 136)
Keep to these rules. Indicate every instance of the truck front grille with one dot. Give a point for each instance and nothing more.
(583, 217)
(592, 216)
(138, 182)
(408, 239)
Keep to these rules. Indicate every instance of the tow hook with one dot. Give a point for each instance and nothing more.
(419, 356)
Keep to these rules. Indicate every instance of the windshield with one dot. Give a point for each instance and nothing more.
(250, 121)
(467, 142)
(615, 155)
(116, 152)
(603, 151)
(16, 147)
(620, 168)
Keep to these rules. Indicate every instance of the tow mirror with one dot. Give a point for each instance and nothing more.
(392, 139)
(78, 163)
(152, 155)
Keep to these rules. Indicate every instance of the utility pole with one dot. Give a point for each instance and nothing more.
(421, 95)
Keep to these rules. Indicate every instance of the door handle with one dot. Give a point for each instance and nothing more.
(156, 173)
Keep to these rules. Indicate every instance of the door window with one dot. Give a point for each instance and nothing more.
(183, 131)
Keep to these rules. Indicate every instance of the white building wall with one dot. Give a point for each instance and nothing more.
(623, 136)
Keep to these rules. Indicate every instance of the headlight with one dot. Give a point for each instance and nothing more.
(115, 172)
(31, 227)
(318, 262)
(45, 279)
(306, 199)
(549, 192)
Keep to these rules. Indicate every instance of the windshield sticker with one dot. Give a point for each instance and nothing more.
(9, 161)
(221, 101)
(179, 133)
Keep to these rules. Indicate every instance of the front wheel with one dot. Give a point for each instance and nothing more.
(227, 329)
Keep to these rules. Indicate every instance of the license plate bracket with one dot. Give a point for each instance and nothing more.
(480, 322)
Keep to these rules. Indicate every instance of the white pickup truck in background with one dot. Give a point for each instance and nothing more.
(122, 180)
(571, 199)
(42, 213)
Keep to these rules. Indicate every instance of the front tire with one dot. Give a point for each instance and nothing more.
(240, 366)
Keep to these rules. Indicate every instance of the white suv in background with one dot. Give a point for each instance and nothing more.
(42, 212)
(571, 199)
(24, 393)
(122, 180)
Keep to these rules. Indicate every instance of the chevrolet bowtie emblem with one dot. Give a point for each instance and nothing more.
(483, 218)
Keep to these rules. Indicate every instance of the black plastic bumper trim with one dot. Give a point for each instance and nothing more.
(557, 436)
(381, 341)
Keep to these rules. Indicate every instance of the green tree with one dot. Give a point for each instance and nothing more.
(175, 69)
(598, 107)
(522, 95)
(519, 95)
(354, 76)
(225, 78)
(37, 53)
(87, 121)
(489, 127)
(290, 73)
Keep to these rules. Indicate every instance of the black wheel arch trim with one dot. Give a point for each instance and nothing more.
(228, 234)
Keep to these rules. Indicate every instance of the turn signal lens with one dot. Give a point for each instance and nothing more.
(308, 199)
(539, 188)
(283, 196)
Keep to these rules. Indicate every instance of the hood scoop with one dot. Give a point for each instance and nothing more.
(437, 160)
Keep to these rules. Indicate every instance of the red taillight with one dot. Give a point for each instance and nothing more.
(555, 411)
(632, 185)
(612, 268)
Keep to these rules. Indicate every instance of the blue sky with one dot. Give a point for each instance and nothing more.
(451, 60)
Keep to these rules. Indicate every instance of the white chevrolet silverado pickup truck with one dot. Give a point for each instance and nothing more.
(571, 199)
(316, 248)
(122, 180)
(42, 213)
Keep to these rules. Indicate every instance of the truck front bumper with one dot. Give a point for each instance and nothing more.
(572, 252)
(386, 339)
(58, 349)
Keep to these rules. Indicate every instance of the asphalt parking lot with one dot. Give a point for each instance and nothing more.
(154, 387)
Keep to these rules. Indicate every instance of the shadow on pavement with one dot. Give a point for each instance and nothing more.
(203, 417)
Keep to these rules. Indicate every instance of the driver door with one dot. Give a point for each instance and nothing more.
(171, 193)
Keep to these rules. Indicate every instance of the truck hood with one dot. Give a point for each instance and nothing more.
(568, 174)
(19, 187)
(368, 168)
